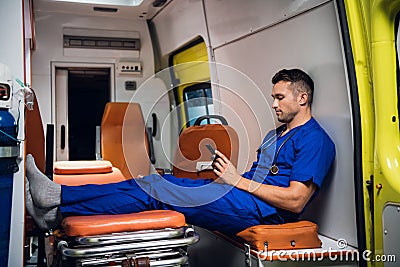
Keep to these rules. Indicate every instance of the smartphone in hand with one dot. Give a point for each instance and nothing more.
(212, 151)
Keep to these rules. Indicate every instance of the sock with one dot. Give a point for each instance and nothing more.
(45, 193)
(44, 219)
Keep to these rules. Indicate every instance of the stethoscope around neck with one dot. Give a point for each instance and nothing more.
(274, 168)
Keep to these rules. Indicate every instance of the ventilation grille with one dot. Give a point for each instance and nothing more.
(101, 42)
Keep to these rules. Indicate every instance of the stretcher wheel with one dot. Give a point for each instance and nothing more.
(138, 262)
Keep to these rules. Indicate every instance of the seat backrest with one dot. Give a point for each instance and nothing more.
(193, 159)
(123, 138)
(35, 141)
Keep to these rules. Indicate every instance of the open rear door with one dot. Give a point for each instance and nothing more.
(386, 182)
(373, 30)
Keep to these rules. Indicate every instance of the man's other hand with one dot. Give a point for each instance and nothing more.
(225, 170)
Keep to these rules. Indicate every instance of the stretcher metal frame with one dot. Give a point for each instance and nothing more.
(165, 247)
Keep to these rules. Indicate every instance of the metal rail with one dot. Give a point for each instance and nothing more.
(130, 237)
(122, 248)
(156, 259)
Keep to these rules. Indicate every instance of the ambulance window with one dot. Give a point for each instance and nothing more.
(190, 74)
(198, 102)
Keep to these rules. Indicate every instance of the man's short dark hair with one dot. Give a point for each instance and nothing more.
(300, 81)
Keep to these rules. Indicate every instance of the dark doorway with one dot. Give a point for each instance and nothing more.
(88, 93)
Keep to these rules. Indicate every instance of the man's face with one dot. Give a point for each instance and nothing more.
(285, 102)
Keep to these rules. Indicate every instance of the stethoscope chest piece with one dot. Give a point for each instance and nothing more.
(274, 169)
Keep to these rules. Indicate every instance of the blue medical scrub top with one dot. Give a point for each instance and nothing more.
(307, 154)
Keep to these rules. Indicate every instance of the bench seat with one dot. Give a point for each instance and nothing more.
(330, 248)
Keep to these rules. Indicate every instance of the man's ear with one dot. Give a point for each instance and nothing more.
(303, 99)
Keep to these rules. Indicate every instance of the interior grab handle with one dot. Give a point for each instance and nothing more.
(62, 136)
(151, 146)
(49, 150)
(207, 117)
(154, 129)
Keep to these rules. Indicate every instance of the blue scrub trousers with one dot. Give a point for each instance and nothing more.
(214, 206)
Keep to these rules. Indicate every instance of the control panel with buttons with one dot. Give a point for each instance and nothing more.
(129, 68)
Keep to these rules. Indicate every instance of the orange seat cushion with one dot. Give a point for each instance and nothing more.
(82, 167)
(294, 235)
(97, 178)
(107, 224)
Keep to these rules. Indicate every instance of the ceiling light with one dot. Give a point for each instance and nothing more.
(106, 2)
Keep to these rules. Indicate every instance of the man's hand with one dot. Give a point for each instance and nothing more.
(292, 198)
(225, 170)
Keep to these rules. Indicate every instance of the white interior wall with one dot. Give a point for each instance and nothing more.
(178, 24)
(250, 45)
(311, 42)
(248, 18)
(12, 55)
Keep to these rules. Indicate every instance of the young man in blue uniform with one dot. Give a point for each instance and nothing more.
(292, 162)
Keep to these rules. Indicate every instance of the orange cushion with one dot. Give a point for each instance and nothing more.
(294, 235)
(192, 149)
(97, 178)
(82, 167)
(107, 224)
(123, 129)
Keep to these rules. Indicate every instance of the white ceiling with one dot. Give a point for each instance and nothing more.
(144, 11)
